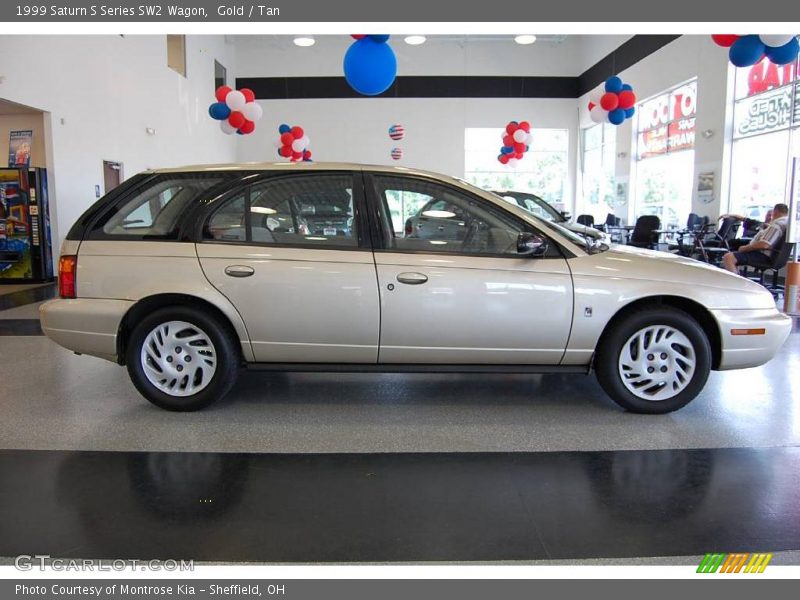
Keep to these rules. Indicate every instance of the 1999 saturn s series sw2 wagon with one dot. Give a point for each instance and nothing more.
(186, 275)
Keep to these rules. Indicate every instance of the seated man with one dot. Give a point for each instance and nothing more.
(758, 253)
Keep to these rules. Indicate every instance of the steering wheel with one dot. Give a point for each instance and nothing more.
(472, 232)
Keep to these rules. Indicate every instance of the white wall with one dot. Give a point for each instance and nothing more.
(101, 93)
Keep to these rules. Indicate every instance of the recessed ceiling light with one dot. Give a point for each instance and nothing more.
(525, 39)
(304, 41)
(414, 40)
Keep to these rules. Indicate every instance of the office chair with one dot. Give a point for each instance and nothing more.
(780, 256)
(713, 245)
(644, 232)
(586, 220)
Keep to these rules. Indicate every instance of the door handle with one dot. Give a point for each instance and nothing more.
(239, 271)
(412, 278)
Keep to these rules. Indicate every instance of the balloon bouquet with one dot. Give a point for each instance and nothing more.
(747, 50)
(236, 110)
(516, 142)
(293, 143)
(613, 102)
(396, 132)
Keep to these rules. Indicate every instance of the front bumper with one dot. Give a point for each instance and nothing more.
(84, 325)
(743, 351)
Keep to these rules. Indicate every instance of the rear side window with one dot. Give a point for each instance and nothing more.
(153, 212)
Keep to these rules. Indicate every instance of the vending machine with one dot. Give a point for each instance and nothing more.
(26, 251)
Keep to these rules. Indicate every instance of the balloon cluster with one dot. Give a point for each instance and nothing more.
(516, 142)
(236, 110)
(370, 65)
(293, 143)
(613, 102)
(397, 132)
(747, 50)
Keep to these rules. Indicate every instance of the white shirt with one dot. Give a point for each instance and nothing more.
(772, 233)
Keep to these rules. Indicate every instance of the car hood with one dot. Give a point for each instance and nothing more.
(667, 273)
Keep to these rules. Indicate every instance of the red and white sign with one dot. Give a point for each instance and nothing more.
(667, 122)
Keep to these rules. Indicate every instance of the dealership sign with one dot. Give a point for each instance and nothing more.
(767, 100)
(667, 122)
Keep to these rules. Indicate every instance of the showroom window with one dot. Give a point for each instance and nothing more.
(310, 210)
(665, 155)
(220, 75)
(599, 149)
(542, 171)
(766, 114)
(176, 53)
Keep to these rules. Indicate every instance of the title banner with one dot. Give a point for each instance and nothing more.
(355, 11)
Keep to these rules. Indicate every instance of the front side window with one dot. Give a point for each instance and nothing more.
(446, 220)
(155, 210)
(315, 210)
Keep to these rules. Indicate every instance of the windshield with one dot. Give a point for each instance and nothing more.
(534, 205)
(589, 244)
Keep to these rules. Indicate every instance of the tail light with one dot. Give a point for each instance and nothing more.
(67, 267)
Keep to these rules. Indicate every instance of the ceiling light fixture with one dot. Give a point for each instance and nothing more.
(304, 41)
(525, 40)
(415, 40)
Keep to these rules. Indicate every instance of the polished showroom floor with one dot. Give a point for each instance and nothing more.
(370, 467)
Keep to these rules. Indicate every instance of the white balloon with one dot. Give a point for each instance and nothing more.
(277, 142)
(598, 115)
(596, 94)
(512, 162)
(520, 136)
(235, 100)
(775, 40)
(227, 127)
(529, 138)
(252, 111)
(306, 141)
(297, 145)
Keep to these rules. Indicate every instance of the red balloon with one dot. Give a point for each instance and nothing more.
(519, 147)
(525, 126)
(285, 151)
(249, 95)
(725, 40)
(592, 105)
(511, 128)
(287, 139)
(358, 36)
(296, 155)
(236, 119)
(519, 155)
(307, 154)
(503, 158)
(221, 92)
(609, 101)
(297, 132)
(248, 127)
(508, 141)
(626, 99)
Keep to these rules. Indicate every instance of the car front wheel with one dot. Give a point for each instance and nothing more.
(182, 359)
(654, 360)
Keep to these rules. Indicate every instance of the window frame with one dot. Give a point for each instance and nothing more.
(363, 238)
(378, 224)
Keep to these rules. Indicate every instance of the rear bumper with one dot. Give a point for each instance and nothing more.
(85, 325)
(743, 351)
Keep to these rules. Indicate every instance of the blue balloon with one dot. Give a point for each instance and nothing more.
(616, 116)
(219, 111)
(506, 150)
(379, 38)
(747, 51)
(630, 112)
(627, 86)
(783, 55)
(284, 128)
(370, 67)
(614, 85)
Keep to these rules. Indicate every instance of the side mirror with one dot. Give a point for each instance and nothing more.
(531, 244)
(566, 215)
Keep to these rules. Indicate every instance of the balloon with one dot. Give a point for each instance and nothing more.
(277, 142)
(222, 93)
(285, 151)
(520, 135)
(512, 162)
(519, 148)
(596, 94)
(249, 95)
(784, 55)
(592, 105)
(511, 127)
(248, 127)
(297, 132)
(627, 86)
(236, 119)
(396, 132)
(306, 141)
(219, 111)
(529, 140)
(746, 51)
(609, 101)
(358, 36)
(613, 84)
(298, 146)
(616, 116)
(503, 158)
(297, 155)
(506, 149)
(396, 153)
(726, 41)
(379, 38)
(598, 115)
(287, 139)
(235, 100)
(227, 127)
(252, 111)
(626, 99)
(370, 67)
(525, 126)
(284, 128)
(518, 155)
(776, 41)
(630, 112)
(307, 154)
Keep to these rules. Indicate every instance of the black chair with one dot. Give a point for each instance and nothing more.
(713, 245)
(586, 220)
(612, 220)
(644, 232)
(780, 256)
(694, 224)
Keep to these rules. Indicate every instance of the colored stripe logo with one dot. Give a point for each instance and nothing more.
(738, 562)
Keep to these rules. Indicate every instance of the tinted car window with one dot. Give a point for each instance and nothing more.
(449, 221)
(314, 210)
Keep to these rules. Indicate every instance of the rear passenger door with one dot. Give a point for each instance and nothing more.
(292, 254)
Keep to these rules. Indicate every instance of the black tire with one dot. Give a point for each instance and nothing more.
(228, 358)
(611, 346)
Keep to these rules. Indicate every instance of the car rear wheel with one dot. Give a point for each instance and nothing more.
(182, 359)
(654, 360)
